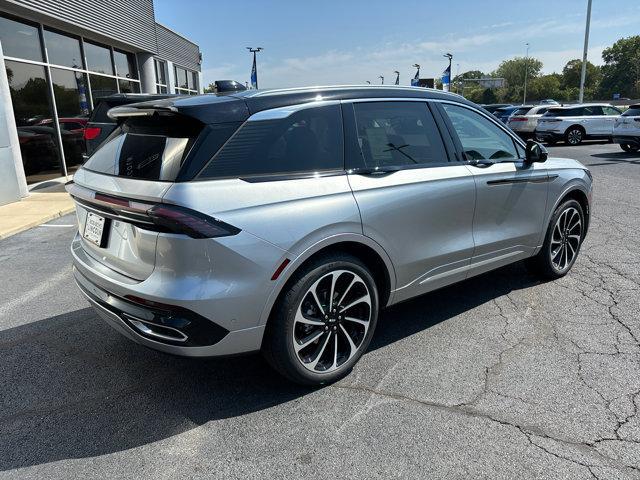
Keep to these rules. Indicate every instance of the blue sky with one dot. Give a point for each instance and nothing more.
(345, 42)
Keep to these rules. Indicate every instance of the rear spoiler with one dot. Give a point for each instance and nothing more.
(116, 113)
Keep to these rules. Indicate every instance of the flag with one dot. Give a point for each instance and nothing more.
(397, 79)
(254, 73)
(415, 81)
(446, 79)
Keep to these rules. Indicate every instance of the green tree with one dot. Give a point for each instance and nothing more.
(210, 89)
(513, 71)
(572, 72)
(621, 71)
(545, 86)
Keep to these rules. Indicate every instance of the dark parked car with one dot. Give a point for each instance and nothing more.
(494, 106)
(505, 112)
(100, 125)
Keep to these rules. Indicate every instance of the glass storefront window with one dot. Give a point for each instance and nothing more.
(98, 58)
(128, 87)
(161, 77)
(102, 86)
(125, 64)
(20, 40)
(70, 91)
(181, 78)
(63, 50)
(32, 110)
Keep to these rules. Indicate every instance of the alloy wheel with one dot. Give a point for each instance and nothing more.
(574, 137)
(565, 240)
(332, 321)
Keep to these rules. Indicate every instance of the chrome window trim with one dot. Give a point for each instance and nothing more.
(280, 113)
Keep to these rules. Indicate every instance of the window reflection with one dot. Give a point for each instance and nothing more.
(125, 65)
(102, 86)
(98, 58)
(128, 87)
(63, 50)
(20, 40)
(36, 134)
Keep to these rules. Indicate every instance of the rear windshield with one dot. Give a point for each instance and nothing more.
(146, 148)
(633, 111)
(522, 111)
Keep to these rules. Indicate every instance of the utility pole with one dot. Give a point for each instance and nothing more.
(381, 78)
(583, 74)
(526, 73)
(254, 68)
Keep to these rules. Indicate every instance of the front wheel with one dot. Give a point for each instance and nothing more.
(324, 322)
(562, 242)
(629, 148)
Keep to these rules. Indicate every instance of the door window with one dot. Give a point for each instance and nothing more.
(398, 134)
(481, 139)
(593, 110)
(611, 111)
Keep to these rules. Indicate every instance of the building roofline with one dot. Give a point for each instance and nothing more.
(178, 34)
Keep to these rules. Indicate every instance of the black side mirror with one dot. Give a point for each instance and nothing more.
(535, 152)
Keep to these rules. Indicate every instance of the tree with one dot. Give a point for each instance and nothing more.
(210, 89)
(513, 71)
(546, 86)
(572, 72)
(621, 72)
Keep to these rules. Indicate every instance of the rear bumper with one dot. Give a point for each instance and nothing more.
(627, 139)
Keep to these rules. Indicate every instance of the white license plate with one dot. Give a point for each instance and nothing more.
(94, 228)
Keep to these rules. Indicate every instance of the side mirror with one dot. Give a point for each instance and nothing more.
(535, 152)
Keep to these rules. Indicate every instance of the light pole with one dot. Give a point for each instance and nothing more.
(457, 76)
(254, 68)
(526, 73)
(583, 74)
(450, 57)
(381, 78)
(397, 77)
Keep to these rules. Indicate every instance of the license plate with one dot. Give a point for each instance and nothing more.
(94, 230)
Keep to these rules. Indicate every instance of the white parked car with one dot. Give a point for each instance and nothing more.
(626, 131)
(576, 123)
(524, 120)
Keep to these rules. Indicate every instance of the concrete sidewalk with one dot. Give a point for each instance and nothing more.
(39, 207)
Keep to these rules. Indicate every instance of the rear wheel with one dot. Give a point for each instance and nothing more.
(574, 136)
(629, 148)
(324, 322)
(562, 242)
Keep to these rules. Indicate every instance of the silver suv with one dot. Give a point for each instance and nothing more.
(283, 221)
(577, 123)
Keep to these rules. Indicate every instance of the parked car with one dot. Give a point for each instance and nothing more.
(504, 113)
(494, 106)
(100, 126)
(548, 101)
(577, 123)
(283, 221)
(626, 131)
(524, 120)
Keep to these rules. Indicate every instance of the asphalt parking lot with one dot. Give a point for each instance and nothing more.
(497, 377)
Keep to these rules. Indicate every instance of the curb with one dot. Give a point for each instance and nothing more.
(35, 223)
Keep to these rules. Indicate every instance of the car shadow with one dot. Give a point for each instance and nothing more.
(616, 158)
(71, 387)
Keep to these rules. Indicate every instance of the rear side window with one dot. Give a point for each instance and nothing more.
(99, 114)
(611, 111)
(593, 110)
(398, 134)
(146, 148)
(309, 140)
(481, 139)
(633, 111)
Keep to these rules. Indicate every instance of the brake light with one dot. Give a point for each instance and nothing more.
(184, 220)
(91, 132)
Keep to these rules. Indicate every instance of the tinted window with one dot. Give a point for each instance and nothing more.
(480, 138)
(20, 40)
(102, 86)
(593, 110)
(633, 111)
(125, 65)
(309, 140)
(160, 72)
(181, 78)
(63, 50)
(98, 58)
(151, 148)
(397, 133)
(611, 111)
(127, 86)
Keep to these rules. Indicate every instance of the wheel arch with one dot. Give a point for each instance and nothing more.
(360, 246)
(578, 192)
(575, 125)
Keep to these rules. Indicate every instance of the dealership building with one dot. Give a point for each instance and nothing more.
(57, 59)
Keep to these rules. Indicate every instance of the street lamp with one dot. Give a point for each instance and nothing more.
(254, 68)
(397, 77)
(381, 78)
(583, 73)
(450, 57)
(526, 72)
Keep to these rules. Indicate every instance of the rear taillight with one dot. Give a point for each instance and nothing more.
(91, 132)
(161, 217)
(184, 220)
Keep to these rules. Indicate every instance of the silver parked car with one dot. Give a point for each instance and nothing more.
(283, 221)
(525, 120)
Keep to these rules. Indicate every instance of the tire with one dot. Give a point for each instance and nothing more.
(629, 148)
(550, 262)
(322, 359)
(574, 136)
